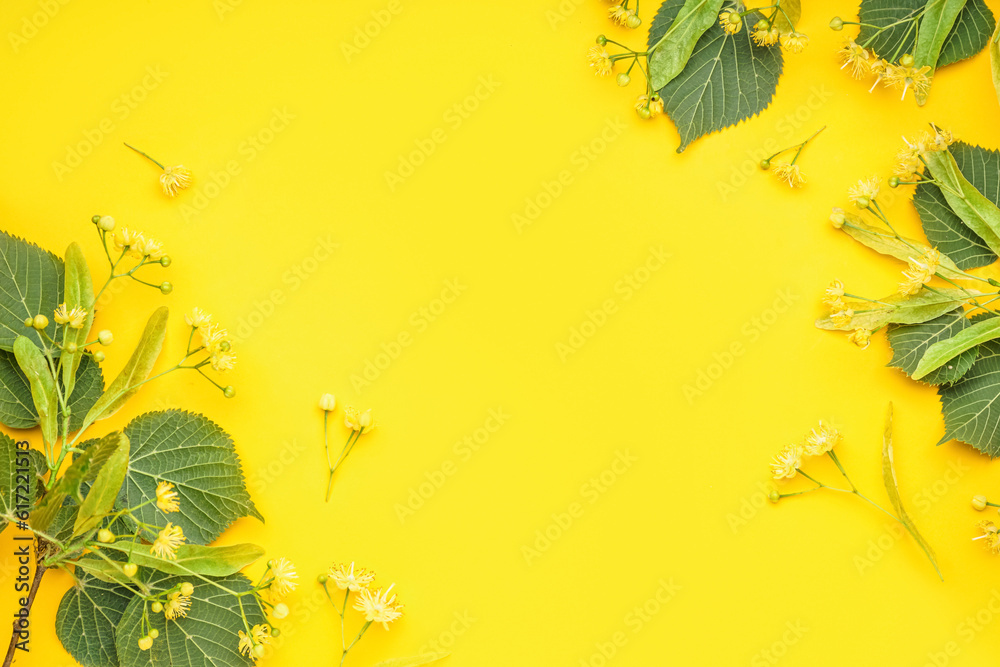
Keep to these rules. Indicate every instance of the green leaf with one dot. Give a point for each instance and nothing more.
(944, 229)
(977, 212)
(31, 283)
(944, 351)
(191, 559)
(971, 406)
(920, 307)
(892, 488)
(17, 410)
(935, 25)
(86, 620)
(43, 386)
(727, 79)
(910, 341)
(791, 9)
(105, 487)
(198, 458)
(967, 37)
(425, 659)
(995, 59)
(79, 292)
(206, 637)
(902, 248)
(17, 480)
(136, 370)
(671, 52)
(85, 468)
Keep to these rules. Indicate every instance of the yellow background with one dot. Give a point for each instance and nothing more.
(689, 510)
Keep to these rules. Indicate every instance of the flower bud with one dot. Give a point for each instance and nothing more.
(623, 79)
(322, 578)
(105, 536)
(836, 23)
(165, 261)
(258, 650)
(774, 496)
(894, 182)
(40, 322)
(130, 569)
(29, 322)
(275, 632)
(229, 391)
(96, 219)
(146, 643)
(327, 402)
(633, 21)
(98, 356)
(838, 218)
(644, 112)
(765, 164)
(105, 337)
(154, 633)
(602, 40)
(70, 347)
(166, 288)
(979, 503)
(106, 223)
(280, 611)
(906, 60)
(187, 588)
(157, 607)
(761, 25)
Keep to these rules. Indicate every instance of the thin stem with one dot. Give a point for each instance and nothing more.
(15, 633)
(146, 156)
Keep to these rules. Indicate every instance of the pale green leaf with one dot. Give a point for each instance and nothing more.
(788, 17)
(967, 37)
(17, 410)
(944, 351)
(910, 341)
(995, 59)
(191, 558)
(885, 242)
(978, 213)
(136, 370)
(413, 661)
(923, 306)
(892, 488)
(84, 468)
(31, 283)
(206, 637)
(944, 229)
(727, 79)
(18, 480)
(938, 19)
(86, 620)
(971, 406)
(43, 386)
(671, 52)
(79, 293)
(105, 487)
(198, 458)
(970, 34)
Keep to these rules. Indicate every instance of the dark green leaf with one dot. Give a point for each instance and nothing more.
(936, 23)
(970, 35)
(967, 37)
(87, 618)
(727, 79)
(31, 283)
(910, 341)
(198, 458)
(671, 52)
(16, 407)
(104, 490)
(79, 292)
(971, 406)
(18, 480)
(43, 386)
(949, 349)
(206, 637)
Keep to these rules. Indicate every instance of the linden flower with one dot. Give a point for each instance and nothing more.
(618, 14)
(877, 67)
(794, 42)
(167, 499)
(284, 578)
(861, 338)
(212, 336)
(902, 77)
(145, 643)
(246, 644)
(378, 606)
(787, 462)
(731, 22)
(346, 578)
(766, 36)
(175, 179)
(74, 319)
(822, 440)
(358, 421)
(167, 542)
(856, 58)
(655, 105)
(842, 318)
(150, 248)
(177, 607)
(834, 293)
(990, 534)
(126, 239)
(920, 273)
(198, 318)
(223, 361)
(864, 193)
(790, 173)
(600, 60)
